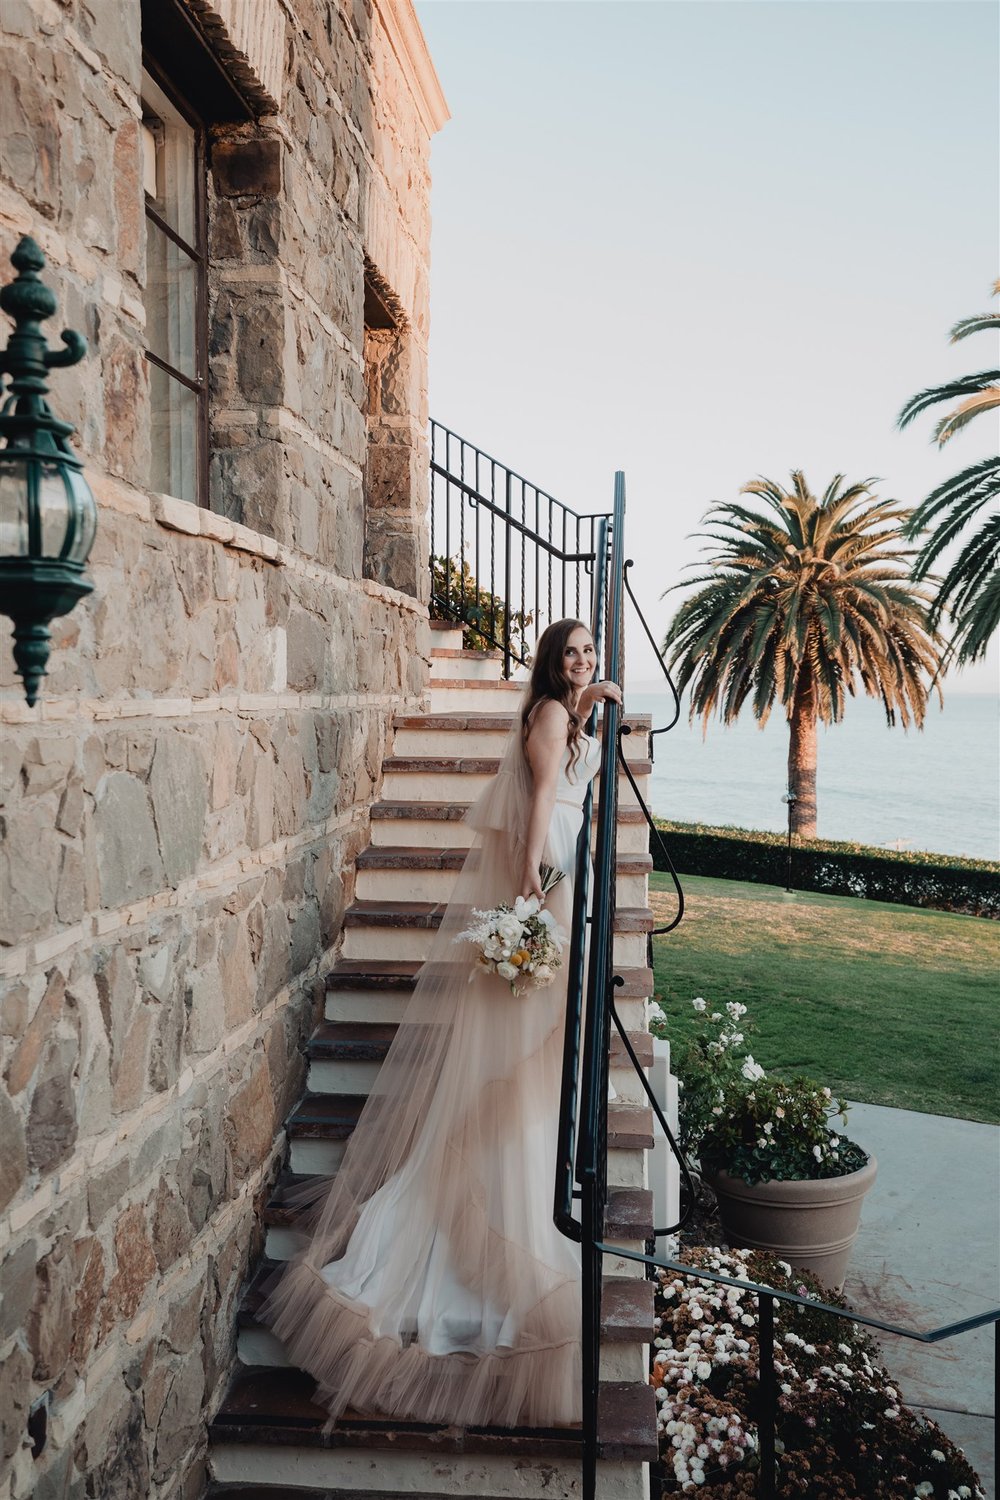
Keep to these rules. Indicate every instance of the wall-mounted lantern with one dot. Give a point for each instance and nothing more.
(48, 518)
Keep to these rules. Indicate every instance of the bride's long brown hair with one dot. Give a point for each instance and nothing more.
(549, 680)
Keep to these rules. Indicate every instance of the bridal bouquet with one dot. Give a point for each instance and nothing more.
(518, 942)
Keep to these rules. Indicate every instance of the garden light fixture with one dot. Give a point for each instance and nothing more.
(48, 518)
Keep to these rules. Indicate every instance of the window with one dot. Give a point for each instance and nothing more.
(176, 292)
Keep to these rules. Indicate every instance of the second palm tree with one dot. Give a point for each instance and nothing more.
(803, 604)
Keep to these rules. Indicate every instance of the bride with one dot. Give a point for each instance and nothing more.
(435, 1285)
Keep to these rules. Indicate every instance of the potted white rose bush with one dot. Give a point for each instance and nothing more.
(787, 1181)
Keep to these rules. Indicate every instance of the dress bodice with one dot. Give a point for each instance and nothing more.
(571, 785)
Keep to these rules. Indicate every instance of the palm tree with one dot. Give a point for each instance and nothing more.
(803, 605)
(970, 590)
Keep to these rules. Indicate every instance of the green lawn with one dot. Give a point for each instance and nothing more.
(887, 1004)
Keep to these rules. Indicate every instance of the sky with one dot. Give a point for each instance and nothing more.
(707, 240)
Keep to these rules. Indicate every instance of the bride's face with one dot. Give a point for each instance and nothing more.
(579, 659)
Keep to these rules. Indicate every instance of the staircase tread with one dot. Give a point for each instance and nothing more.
(474, 765)
(409, 857)
(275, 1406)
(381, 913)
(630, 1126)
(629, 1214)
(454, 812)
(333, 1117)
(370, 1041)
(376, 973)
(456, 720)
(627, 1310)
(464, 653)
(401, 974)
(501, 684)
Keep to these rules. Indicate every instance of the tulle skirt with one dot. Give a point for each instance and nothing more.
(436, 1286)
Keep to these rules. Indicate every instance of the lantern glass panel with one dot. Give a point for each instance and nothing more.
(86, 517)
(13, 508)
(53, 508)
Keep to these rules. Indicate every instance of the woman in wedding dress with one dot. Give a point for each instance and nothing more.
(435, 1285)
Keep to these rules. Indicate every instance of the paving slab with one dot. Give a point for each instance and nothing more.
(928, 1253)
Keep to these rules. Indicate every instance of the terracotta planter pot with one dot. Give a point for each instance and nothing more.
(812, 1225)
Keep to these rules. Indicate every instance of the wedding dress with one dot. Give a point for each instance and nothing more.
(435, 1285)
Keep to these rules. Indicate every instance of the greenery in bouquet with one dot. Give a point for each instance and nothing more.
(735, 1118)
(841, 1430)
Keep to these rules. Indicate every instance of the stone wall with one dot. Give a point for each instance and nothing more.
(182, 810)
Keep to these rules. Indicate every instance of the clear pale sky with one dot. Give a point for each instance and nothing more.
(703, 240)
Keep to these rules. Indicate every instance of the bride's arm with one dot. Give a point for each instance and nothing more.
(597, 693)
(544, 749)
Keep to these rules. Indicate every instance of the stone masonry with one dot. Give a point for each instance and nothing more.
(181, 808)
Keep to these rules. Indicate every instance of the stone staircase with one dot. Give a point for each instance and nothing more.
(266, 1440)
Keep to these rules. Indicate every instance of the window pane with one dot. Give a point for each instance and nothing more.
(173, 436)
(174, 199)
(14, 510)
(171, 302)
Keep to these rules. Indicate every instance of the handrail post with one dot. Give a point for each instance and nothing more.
(767, 1393)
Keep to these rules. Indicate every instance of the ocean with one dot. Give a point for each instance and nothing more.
(937, 788)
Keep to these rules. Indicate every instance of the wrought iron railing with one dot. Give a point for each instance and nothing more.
(507, 558)
(542, 560)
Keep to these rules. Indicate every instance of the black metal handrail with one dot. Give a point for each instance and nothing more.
(506, 556)
(766, 1298)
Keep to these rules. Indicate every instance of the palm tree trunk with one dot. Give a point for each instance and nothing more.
(802, 760)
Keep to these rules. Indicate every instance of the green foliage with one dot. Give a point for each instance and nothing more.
(834, 867)
(891, 1005)
(734, 1118)
(970, 590)
(457, 596)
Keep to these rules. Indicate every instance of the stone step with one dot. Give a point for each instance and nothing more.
(269, 1431)
(438, 824)
(397, 872)
(446, 635)
(466, 666)
(466, 695)
(404, 930)
(345, 1058)
(370, 990)
(436, 778)
(320, 1124)
(486, 733)
(626, 1325)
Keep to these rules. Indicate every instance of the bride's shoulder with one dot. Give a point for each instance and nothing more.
(548, 716)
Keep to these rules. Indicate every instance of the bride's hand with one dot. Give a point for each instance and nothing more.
(531, 882)
(600, 692)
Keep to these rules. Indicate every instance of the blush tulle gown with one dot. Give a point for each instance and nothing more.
(435, 1285)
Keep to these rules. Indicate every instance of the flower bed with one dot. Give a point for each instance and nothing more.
(842, 1432)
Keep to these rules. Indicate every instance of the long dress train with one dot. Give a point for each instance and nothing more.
(435, 1285)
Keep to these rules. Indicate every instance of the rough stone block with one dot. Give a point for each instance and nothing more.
(177, 786)
(128, 858)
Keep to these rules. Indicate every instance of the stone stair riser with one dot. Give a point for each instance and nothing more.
(313, 1157)
(446, 699)
(406, 1474)
(345, 1076)
(421, 833)
(484, 742)
(437, 885)
(390, 1005)
(465, 786)
(483, 669)
(412, 944)
(445, 637)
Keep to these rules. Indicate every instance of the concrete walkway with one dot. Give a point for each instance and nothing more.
(928, 1253)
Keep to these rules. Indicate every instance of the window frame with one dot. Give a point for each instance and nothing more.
(199, 255)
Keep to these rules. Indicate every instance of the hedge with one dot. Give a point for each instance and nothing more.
(834, 868)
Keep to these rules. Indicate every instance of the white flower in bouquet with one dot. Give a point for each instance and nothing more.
(520, 943)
